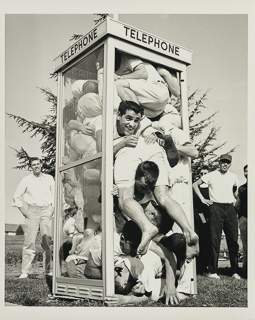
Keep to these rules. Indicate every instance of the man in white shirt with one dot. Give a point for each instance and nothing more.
(222, 186)
(37, 191)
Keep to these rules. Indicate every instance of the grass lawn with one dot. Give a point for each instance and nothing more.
(35, 291)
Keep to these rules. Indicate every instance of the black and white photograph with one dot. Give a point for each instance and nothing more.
(126, 137)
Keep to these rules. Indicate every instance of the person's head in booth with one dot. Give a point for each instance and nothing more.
(128, 118)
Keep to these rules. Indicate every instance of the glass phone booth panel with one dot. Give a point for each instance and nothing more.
(79, 186)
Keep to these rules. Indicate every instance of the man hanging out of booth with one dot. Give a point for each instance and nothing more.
(155, 88)
(129, 151)
(140, 82)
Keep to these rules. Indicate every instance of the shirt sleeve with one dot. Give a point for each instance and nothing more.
(237, 183)
(180, 137)
(18, 194)
(132, 62)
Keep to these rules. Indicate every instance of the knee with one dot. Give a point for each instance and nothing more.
(122, 203)
(160, 194)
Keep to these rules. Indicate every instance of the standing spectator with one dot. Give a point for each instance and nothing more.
(241, 206)
(222, 186)
(37, 191)
(201, 221)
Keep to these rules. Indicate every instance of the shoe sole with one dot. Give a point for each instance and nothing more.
(171, 151)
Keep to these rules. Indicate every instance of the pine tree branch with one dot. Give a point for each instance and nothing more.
(76, 37)
(101, 18)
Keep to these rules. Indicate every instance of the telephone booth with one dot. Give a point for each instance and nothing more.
(84, 164)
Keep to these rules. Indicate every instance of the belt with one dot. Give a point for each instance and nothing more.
(223, 204)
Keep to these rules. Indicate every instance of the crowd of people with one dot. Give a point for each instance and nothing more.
(154, 240)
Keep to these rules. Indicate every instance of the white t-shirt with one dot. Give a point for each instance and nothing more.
(147, 271)
(221, 186)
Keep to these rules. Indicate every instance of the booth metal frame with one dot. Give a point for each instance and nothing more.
(110, 34)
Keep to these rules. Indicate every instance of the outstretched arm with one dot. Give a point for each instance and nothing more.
(188, 150)
(169, 291)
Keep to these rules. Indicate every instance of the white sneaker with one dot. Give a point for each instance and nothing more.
(236, 276)
(23, 276)
(213, 275)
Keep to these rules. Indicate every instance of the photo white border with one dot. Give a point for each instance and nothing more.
(114, 6)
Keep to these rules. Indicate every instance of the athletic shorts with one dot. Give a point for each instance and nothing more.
(152, 96)
(127, 160)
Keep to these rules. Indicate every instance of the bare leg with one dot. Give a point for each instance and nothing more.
(134, 211)
(175, 211)
(171, 81)
(124, 91)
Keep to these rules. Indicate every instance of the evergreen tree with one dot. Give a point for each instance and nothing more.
(206, 143)
(19, 231)
(46, 130)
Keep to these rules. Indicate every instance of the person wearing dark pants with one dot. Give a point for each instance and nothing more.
(222, 186)
(242, 209)
(223, 216)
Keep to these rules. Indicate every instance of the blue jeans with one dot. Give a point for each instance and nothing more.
(223, 216)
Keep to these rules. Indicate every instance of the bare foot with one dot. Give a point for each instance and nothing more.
(146, 237)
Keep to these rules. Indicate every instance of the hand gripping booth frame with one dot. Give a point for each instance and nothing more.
(82, 61)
